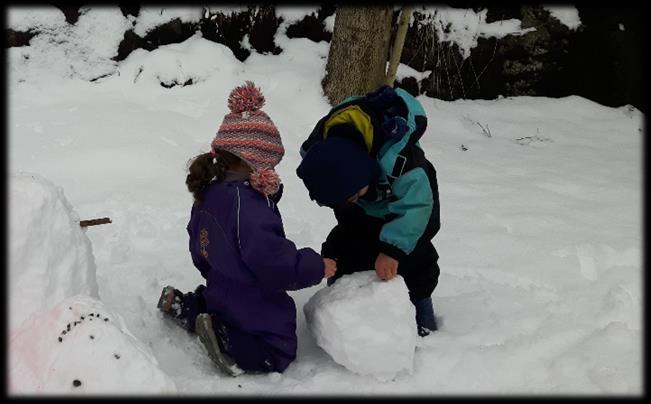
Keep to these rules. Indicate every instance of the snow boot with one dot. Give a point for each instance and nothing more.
(205, 329)
(425, 319)
(171, 304)
(168, 297)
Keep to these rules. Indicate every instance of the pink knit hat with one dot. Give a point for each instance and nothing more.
(250, 134)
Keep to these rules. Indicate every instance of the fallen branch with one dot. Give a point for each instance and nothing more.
(486, 130)
(94, 222)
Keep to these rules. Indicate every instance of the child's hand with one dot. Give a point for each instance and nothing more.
(386, 267)
(330, 267)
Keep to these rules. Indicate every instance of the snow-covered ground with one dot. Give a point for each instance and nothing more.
(540, 246)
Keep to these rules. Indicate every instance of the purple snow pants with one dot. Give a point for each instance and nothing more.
(250, 352)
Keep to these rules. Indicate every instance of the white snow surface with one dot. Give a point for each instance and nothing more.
(194, 59)
(227, 9)
(567, 15)
(43, 17)
(51, 256)
(291, 14)
(151, 17)
(540, 245)
(329, 23)
(408, 71)
(60, 50)
(365, 324)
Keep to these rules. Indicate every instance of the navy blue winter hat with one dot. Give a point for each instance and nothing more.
(335, 168)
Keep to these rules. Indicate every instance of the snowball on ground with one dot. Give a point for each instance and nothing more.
(81, 347)
(51, 256)
(365, 324)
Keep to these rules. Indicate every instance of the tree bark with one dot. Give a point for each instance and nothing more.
(358, 51)
(398, 43)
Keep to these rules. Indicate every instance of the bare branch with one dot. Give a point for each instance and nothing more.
(486, 130)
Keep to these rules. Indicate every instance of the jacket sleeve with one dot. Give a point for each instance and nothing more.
(199, 262)
(411, 211)
(273, 259)
(331, 247)
(350, 222)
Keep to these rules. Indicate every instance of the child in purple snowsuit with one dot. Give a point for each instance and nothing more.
(243, 314)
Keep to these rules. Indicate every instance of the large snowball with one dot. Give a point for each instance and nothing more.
(365, 324)
(81, 347)
(50, 255)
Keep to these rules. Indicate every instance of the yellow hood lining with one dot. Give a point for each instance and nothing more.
(354, 115)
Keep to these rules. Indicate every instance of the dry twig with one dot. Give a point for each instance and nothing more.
(94, 222)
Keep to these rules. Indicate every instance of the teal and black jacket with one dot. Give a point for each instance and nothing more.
(405, 196)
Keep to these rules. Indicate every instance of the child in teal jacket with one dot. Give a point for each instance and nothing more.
(364, 161)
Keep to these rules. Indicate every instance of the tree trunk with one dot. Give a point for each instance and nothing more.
(358, 51)
(398, 43)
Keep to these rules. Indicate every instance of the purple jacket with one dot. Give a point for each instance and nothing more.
(238, 243)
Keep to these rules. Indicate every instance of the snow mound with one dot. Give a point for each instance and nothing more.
(83, 50)
(39, 18)
(51, 257)
(81, 347)
(192, 61)
(365, 324)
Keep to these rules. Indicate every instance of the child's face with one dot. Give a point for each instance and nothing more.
(355, 197)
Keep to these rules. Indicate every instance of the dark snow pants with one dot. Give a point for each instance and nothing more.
(354, 241)
(250, 352)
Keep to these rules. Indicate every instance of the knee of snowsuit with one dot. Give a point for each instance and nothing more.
(356, 237)
(250, 352)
